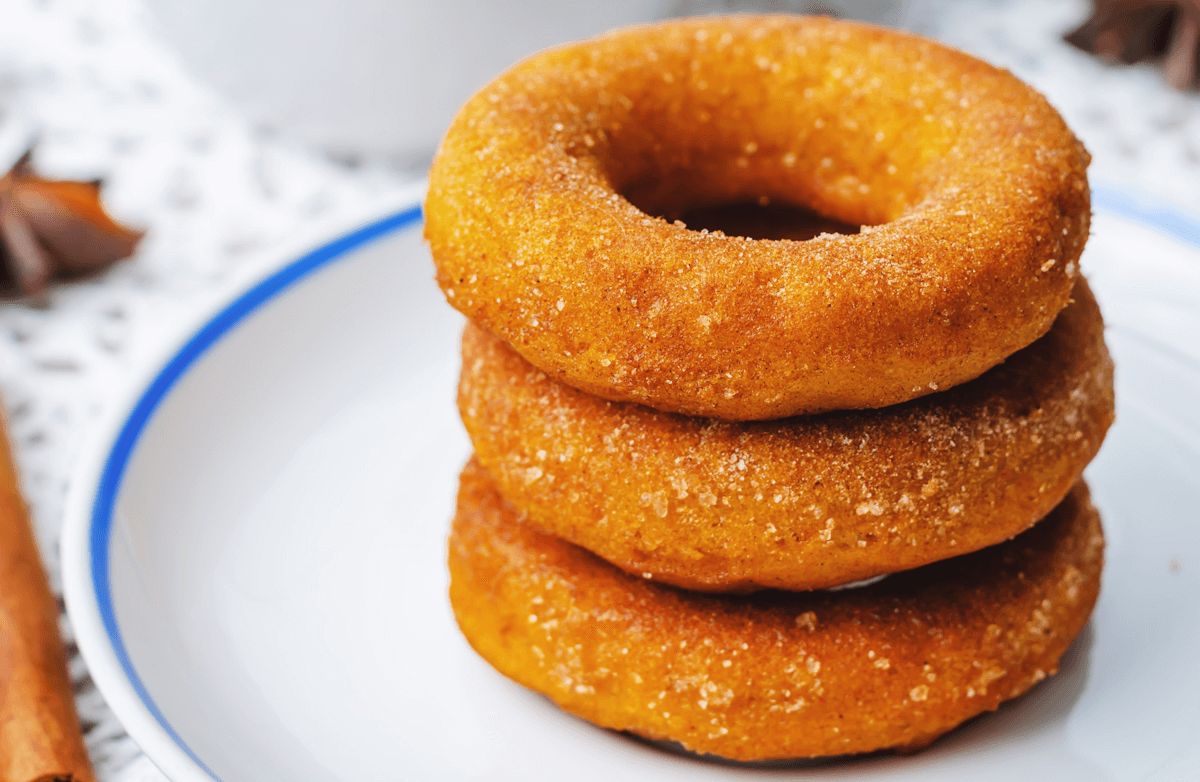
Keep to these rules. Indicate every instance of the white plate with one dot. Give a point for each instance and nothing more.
(254, 554)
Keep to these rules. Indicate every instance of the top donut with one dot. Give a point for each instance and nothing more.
(549, 200)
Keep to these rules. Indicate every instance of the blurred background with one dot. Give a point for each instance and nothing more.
(225, 127)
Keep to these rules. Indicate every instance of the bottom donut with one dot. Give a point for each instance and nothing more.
(772, 675)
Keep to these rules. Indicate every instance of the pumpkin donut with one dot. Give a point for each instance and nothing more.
(551, 197)
(773, 675)
(800, 503)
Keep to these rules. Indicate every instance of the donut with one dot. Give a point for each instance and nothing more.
(801, 503)
(551, 205)
(773, 675)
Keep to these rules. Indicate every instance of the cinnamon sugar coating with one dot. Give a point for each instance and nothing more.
(801, 503)
(550, 200)
(772, 675)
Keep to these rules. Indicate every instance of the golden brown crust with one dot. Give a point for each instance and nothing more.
(803, 503)
(774, 675)
(975, 188)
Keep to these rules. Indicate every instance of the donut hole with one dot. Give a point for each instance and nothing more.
(705, 196)
(704, 201)
(787, 189)
(764, 220)
(784, 115)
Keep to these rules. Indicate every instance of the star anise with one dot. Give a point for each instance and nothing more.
(1130, 31)
(55, 229)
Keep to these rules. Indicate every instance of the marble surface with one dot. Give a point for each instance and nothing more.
(101, 97)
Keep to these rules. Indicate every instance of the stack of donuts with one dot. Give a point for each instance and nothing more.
(771, 498)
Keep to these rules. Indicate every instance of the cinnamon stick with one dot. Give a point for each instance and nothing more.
(40, 739)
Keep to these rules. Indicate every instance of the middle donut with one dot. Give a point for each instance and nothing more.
(800, 503)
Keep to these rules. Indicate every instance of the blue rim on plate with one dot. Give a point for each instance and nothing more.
(1165, 220)
(1141, 210)
(99, 536)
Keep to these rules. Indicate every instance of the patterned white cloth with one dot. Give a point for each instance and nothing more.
(101, 97)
